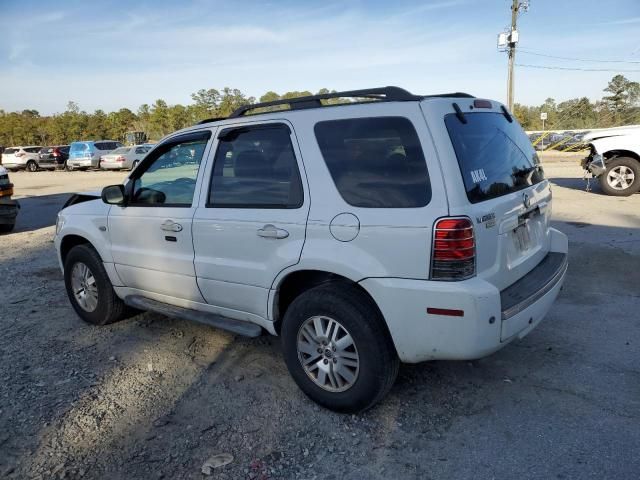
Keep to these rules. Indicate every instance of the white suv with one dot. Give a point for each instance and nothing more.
(401, 228)
(21, 158)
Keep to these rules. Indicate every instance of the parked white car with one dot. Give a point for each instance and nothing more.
(21, 158)
(124, 158)
(405, 229)
(614, 159)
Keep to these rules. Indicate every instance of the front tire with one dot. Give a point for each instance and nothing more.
(32, 166)
(338, 349)
(622, 177)
(89, 288)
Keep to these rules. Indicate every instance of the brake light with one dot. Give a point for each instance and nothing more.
(119, 158)
(482, 104)
(453, 253)
(56, 152)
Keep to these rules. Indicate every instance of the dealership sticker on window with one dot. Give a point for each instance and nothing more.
(478, 175)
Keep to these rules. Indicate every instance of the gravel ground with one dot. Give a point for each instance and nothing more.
(153, 397)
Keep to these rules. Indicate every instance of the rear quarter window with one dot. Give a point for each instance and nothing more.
(495, 156)
(375, 162)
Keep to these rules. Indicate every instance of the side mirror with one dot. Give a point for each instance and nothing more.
(114, 195)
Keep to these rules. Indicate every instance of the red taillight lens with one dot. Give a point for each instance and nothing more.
(454, 249)
(56, 152)
(120, 159)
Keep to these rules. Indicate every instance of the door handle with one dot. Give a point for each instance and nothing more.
(270, 231)
(171, 226)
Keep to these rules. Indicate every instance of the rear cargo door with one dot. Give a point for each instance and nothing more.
(496, 179)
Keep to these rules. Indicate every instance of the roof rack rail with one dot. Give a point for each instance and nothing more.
(382, 94)
(385, 94)
(209, 120)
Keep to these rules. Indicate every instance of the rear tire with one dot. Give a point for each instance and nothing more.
(32, 166)
(622, 177)
(356, 365)
(85, 278)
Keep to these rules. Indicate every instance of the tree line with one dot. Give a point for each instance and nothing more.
(28, 127)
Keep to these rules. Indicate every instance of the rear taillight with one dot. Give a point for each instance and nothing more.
(56, 152)
(453, 255)
(119, 158)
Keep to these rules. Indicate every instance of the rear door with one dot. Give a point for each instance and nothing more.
(252, 217)
(494, 176)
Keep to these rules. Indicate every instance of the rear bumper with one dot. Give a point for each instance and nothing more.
(491, 318)
(83, 162)
(8, 211)
(14, 165)
(112, 165)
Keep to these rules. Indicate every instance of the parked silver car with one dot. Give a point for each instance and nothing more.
(124, 158)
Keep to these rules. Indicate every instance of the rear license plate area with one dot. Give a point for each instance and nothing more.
(522, 237)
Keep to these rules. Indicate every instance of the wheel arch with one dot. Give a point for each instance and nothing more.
(70, 241)
(611, 154)
(295, 283)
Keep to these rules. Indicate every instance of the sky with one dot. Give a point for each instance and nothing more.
(112, 54)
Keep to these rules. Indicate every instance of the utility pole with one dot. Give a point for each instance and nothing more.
(508, 40)
(512, 52)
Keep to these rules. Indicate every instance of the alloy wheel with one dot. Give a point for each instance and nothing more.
(328, 353)
(620, 177)
(84, 287)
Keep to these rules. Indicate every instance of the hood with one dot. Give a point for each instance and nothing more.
(613, 132)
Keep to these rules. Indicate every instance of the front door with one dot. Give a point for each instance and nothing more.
(252, 219)
(151, 237)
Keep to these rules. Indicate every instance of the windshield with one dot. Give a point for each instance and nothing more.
(494, 155)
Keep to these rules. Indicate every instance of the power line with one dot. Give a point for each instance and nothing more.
(548, 67)
(529, 52)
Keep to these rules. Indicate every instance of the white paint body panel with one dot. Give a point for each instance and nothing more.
(236, 267)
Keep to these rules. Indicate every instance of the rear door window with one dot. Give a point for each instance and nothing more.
(495, 156)
(256, 167)
(10, 151)
(375, 162)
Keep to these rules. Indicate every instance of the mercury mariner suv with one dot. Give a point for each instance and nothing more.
(388, 228)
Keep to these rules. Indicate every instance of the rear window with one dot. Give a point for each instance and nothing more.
(79, 147)
(10, 151)
(495, 156)
(121, 150)
(32, 149)
(375, 162)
